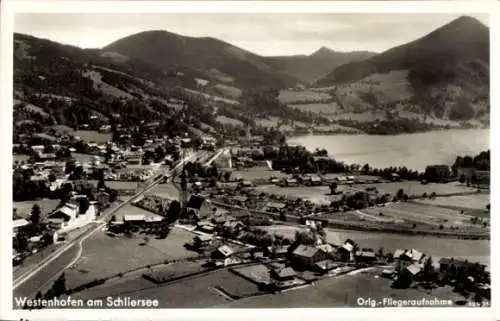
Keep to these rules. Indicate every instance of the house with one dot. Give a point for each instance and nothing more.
(198, 206)
(274, 207)
(365, 256)
(326, 265)
(223, 252)
(404, 258)
(345, 252)
(70, 216)
(408, 275)
(283, 277)
(202, 240)
(276, 251)
(18, 225)
(306, 256)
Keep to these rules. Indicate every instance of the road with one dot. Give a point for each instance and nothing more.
(57, 261)
(51, 266)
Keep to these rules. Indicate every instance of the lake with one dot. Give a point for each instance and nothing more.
(414, 151)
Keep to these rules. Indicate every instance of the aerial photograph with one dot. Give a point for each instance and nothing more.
(250, 160)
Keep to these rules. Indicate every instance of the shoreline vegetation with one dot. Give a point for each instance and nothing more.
(340, 131)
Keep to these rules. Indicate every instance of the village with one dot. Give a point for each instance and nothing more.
(221, 214)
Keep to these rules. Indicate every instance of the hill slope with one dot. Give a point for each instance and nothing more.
(211, 56)
(445, 73)
(309, 68)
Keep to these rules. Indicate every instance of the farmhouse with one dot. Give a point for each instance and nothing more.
(346, 251)
(202, 240)
(283, 277)
(198, 206)
(18, 225)
(326, 265)
(365, 256)
(408, 275)
(305, 256)
(72, 215)
(404, 258)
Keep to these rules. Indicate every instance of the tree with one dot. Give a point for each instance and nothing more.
(462, 179)
(52, 177)
(101, 183)
(488, 207)
(174, 211)
(84, 205)
(333, 188)
(21, 242)
(282, 216)
(428, 270)
(380, 252)
(400, 194)
(227, 176)
(35, 215)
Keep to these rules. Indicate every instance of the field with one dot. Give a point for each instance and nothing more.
(476, 201)
(46, 206)
(257, 172)
(134, 281)
(290, 96)
(417, 189)
(230, 121)
(92, 136)
(342, 291)
(20, 158)
(315, 194)
(229, 91)
(421, 213)
(132, 210)
(165, 191)
(104, 87)
(331, 108)
(202, 291)
(258, 273)
(104, 256)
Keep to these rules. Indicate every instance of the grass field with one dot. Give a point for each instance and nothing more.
(165, 191)
(20, 158)
(342, 291)
(417, 189)
(331, 108)
(258, 273)
(46, 206)
(92, 136)
(315, 194)
(105, 87)
(200, 291)
(289, 96)
(476, 201)
(257, 172)
(421, 213)
(228, 91)
(230, 121)
(104, 256)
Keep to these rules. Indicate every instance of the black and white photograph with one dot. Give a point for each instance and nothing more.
(249, 160)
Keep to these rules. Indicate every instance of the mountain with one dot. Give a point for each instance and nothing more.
(464, 39)
(210, 56)
(310, 68)
(444, 74)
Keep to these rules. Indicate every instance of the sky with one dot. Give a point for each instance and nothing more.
(261, 33)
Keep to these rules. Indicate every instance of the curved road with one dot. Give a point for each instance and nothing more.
(49, 268)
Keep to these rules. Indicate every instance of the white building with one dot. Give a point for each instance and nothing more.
(68, 217)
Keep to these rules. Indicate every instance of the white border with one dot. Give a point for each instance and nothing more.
(9, 7)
